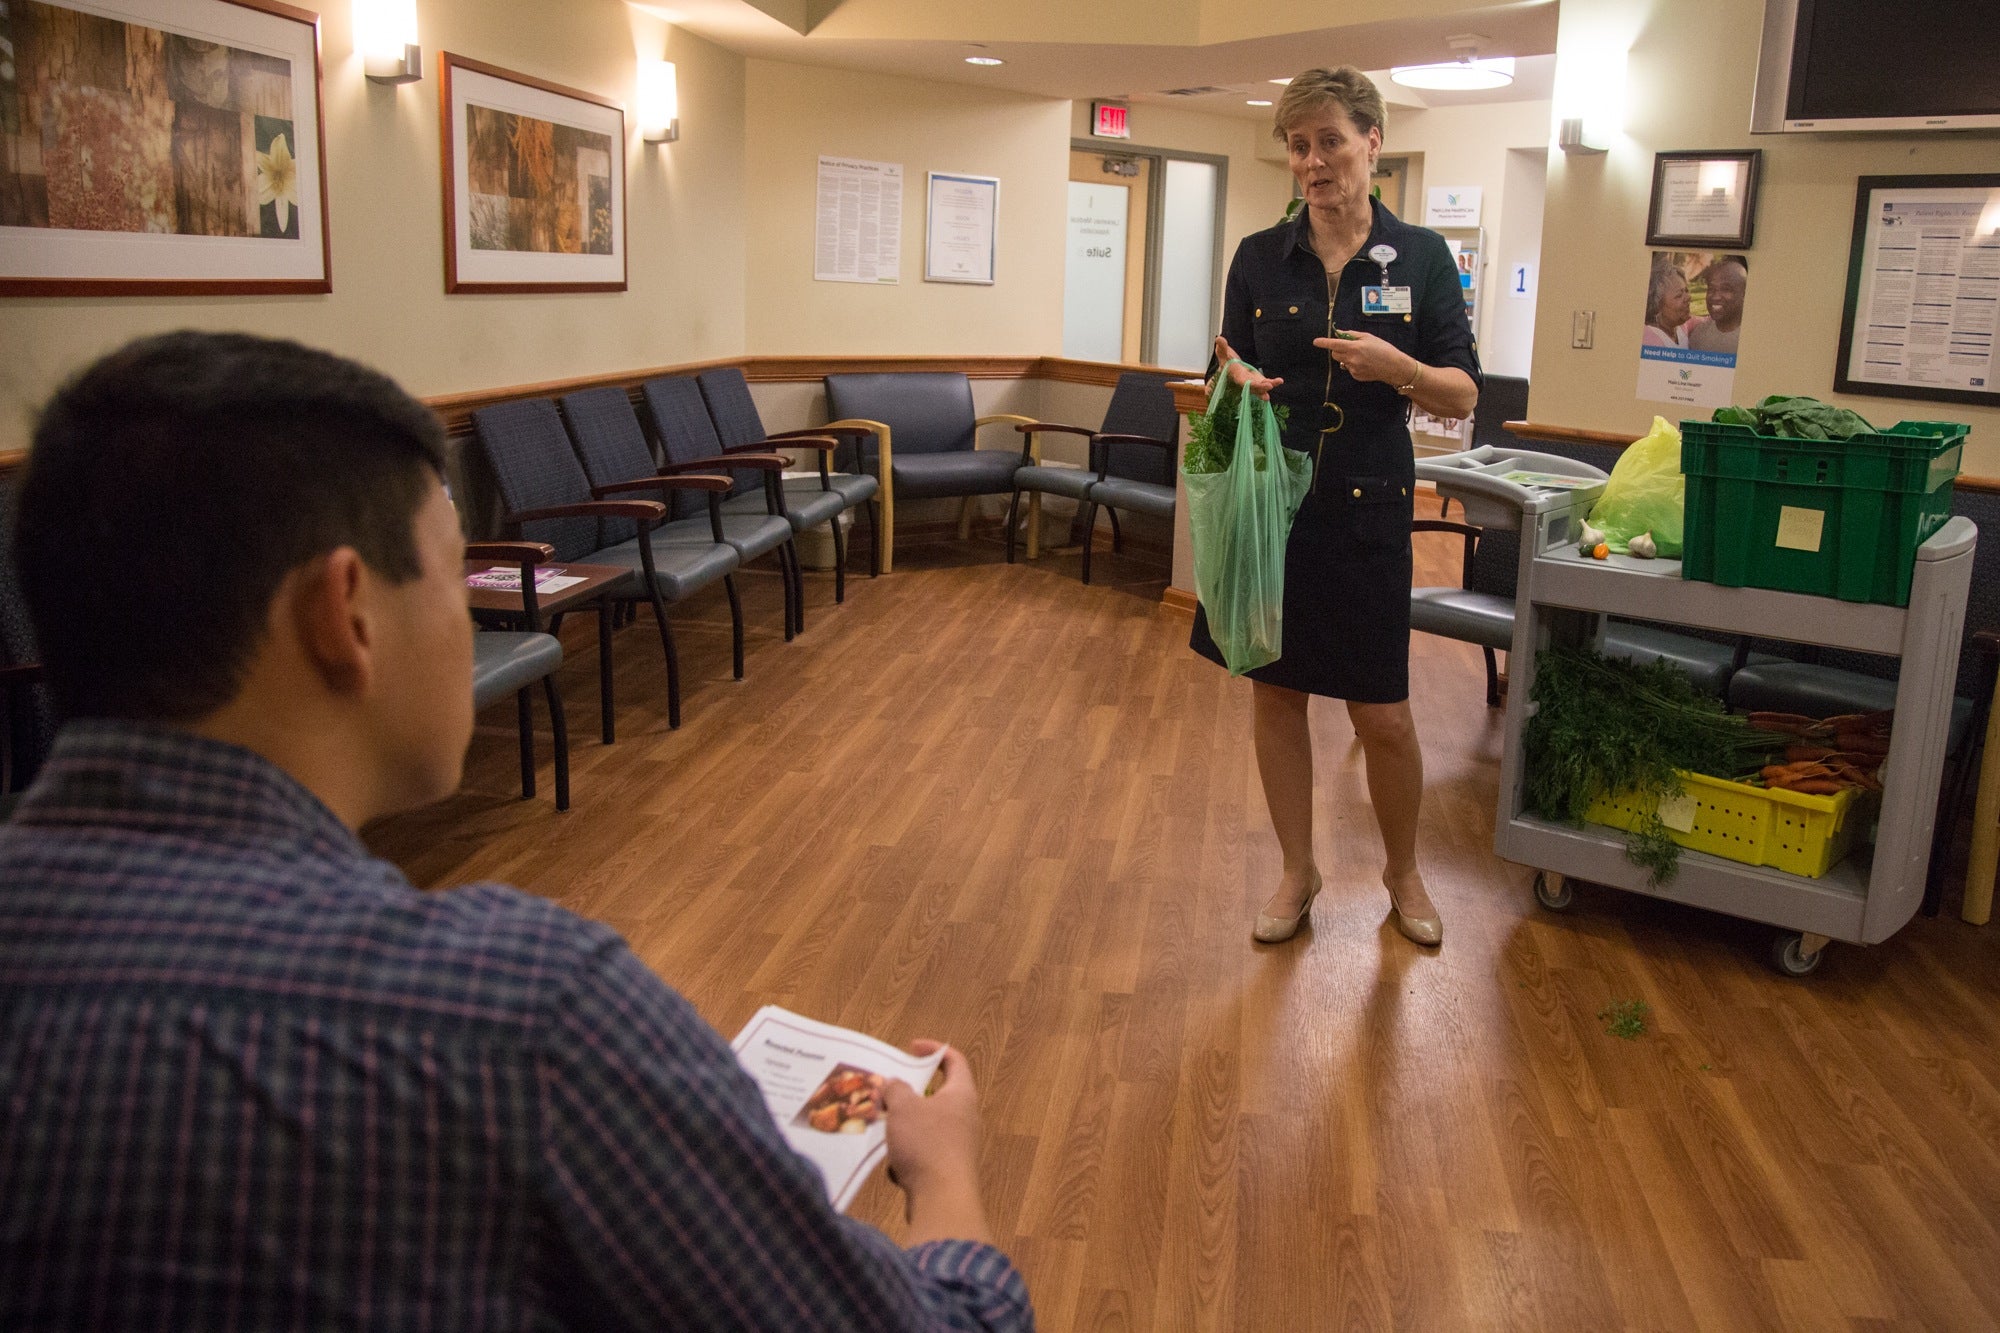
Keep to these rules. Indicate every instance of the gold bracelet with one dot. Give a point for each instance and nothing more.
(1407, 389)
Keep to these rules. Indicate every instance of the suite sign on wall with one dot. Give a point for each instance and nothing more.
(1094, 272)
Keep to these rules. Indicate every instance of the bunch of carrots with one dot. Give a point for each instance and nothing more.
(1827, 755)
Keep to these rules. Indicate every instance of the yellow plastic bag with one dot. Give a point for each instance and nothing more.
(1646, 493)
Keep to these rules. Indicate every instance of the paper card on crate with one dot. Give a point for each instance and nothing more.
(1800, 529)
(1677, 811)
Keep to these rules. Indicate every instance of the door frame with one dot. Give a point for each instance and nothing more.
(1156, 185)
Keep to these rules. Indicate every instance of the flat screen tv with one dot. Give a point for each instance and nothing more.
(1865, 65)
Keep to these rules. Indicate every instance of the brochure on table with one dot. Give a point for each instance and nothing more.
(507, 578)
(824, 1087)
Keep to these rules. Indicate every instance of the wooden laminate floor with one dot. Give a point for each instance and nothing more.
(987, 804)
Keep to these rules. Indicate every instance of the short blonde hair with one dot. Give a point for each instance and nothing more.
(1313, 91)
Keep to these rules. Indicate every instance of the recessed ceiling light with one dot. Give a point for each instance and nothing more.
(1282, 83)
(984, 60)
(1457, 75)
(1257, 101)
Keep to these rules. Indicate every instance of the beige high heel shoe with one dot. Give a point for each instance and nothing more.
(1426, 930)
(1278, 929)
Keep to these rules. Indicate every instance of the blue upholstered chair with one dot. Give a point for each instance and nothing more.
(545, 496)
(509, 661)
(612, 449)
(1131, 464)
(924, 443)
(738, 428)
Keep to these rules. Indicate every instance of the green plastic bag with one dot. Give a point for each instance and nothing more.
(1244, 488)
(1646, 493)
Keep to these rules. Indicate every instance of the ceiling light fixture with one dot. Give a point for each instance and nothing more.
(1467, 75)
(984, 60)
(1282, 83)
(1257, 101)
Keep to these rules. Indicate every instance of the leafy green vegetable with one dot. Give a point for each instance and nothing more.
(1625, 1018)
(1212, 436)
(1796, 419)
(1605, 725)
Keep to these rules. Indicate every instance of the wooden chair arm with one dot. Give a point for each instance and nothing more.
(1465, 530)
(519, 553)
(853, 428)
(649, 510)
(1987, 639)
(1031, 427)
(1100, 437)
(999, 417)
(27, 673)
(748, 462)
(693, 482)
(826, 444)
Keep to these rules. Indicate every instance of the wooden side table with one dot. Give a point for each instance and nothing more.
(599, 583)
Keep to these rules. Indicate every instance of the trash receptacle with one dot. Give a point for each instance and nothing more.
(815, 545)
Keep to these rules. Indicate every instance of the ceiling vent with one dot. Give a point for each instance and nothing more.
(1204, 91)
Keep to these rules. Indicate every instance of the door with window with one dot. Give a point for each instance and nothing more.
(1142, 277)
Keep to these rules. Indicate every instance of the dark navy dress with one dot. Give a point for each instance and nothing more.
(1347, 566)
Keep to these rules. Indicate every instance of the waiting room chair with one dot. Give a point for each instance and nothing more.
(925, 444)
(733, 416)
(612, 448)
(1131, 464)
(546, 497)
(30, 721)
(508, 662)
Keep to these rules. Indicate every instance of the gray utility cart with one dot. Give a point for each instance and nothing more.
(1564, 597)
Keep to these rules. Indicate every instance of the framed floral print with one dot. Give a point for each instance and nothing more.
(534, 183)
(161, 148)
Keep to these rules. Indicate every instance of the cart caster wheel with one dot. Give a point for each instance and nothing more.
(1788, 955)
(1554, 891)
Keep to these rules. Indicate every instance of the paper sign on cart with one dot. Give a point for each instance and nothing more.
(824, 1087)
(1677, 811)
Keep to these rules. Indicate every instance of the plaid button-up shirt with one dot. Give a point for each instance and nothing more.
(250, 1078)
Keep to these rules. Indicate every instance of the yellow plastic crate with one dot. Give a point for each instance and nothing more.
(1786, 830)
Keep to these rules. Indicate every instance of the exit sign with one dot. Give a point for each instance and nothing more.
(1108, 120)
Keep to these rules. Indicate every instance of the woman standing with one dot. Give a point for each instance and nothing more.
(1350, 315)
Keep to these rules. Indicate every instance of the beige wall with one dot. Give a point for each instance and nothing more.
(388, 305)
(797, 112)
(1689, 79)
(1468, 145)
(1259, 186)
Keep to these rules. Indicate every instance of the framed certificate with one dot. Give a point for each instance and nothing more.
(959, 238)
(1923, 279)
(1704, 200)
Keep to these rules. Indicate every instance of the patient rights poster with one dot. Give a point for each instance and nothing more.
(1923, 300)
(858, 226)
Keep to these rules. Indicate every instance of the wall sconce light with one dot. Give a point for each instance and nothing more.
(659, 102)
(1574, 134)
(385, 33)
(1590, 96)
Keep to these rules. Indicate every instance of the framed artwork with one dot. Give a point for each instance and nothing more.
(534, 183)
(1704, 200)
(161, 148)
(1923, 270)
(960, 237)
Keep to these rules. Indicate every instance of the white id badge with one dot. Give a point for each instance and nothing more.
(1385, 300)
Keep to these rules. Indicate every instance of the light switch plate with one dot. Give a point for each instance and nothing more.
(1582, 328)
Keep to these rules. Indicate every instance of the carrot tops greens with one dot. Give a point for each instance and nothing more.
(1605, 725)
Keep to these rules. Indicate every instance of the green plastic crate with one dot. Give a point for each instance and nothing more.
(1833, 518)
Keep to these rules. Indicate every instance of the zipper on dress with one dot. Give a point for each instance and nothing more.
(1319, 447)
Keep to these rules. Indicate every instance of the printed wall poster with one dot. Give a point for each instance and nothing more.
(1694, 315)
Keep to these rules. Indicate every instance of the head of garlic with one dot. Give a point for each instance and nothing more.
(1590, 537)
(1643, 546)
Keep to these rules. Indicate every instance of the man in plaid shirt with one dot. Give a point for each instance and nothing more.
(249, 1077)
